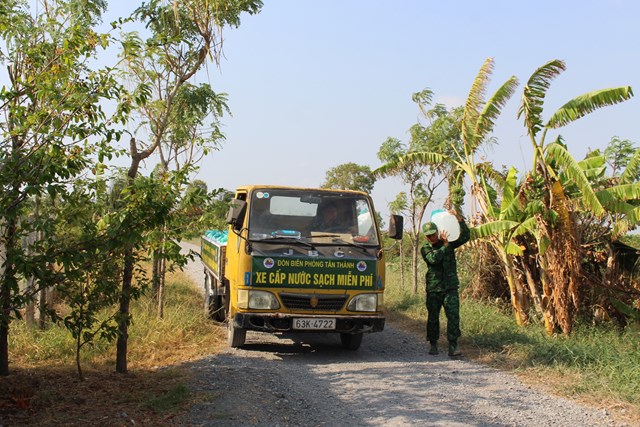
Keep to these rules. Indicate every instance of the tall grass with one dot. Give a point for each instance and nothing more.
(598, 362)
(181, 334)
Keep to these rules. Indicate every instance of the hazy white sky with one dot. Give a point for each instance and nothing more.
(314, 84)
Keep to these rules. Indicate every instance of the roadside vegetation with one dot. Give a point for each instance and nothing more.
(44, 388)
(597, 364)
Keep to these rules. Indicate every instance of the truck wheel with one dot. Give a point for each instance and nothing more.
(209, 300)
(351, 341)
(220, 312)
(235, 336)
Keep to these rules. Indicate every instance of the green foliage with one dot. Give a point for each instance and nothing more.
(53, 126)
(350, 176)
(619, 153)
(587, 103)
(534, 93)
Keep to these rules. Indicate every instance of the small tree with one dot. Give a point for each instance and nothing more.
(53, 124)
(183, 36)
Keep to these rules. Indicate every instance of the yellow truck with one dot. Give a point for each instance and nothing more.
(297, 260)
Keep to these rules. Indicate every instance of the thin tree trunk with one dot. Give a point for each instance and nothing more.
(533, 285)
(161, 288)
(6, 288)
(414, 265)
(31, 281)
(78, 347)
(518, 298)
(125, 299)
(127, 273)
(42, 304)
(402, 264)
(155, 276)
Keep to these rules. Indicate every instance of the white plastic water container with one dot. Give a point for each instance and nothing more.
(446, 222)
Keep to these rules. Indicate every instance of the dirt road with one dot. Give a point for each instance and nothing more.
(310, 380)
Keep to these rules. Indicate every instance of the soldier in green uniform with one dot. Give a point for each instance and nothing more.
(442, 283)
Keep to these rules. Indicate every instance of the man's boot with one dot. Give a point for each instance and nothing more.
(434, 348)
(453, 350)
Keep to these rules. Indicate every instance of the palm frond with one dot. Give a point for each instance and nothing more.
(513, 249)
(493, 228)
(592, 162)
(527, 226)
(475, 101)
(623, 191)
(487, 170)
(535, 92)
(632, 171)
(556, 152)
(490, 195)
(417, 158)
(492, 109)
(587, 103)
(508, 207)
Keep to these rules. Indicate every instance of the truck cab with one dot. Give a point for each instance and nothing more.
(300, 260)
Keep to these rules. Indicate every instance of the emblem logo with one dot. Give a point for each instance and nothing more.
(313, 302)
(268, 263)
(361, 266)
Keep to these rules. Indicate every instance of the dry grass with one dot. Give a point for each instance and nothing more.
(43, 388)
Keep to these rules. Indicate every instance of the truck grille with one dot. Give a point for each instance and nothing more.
(307, 302)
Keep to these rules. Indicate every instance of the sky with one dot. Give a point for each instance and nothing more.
(315, 84)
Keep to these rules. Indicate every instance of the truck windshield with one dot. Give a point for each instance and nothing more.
(311, 215)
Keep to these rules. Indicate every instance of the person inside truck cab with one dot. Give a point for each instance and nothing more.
(330, 220)
(326, 219)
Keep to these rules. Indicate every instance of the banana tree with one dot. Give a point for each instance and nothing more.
(509, 222)
(560, 261)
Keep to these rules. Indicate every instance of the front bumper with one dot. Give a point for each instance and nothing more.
(268, 322)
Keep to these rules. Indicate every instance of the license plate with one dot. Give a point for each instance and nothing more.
(311, 323)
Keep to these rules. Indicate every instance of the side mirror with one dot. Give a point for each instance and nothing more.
(235, 217)
(396, 226)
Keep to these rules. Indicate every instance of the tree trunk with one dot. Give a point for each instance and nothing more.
(127, 273)
(519, 300)
(78, 348)
(42, 304)
(163, 263)
(123, 321)
(414, 264)
(155, 275)
(401, 264)
(532, 283)
(7, 281)
(562, 261)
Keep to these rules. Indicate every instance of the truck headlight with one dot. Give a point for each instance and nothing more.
(262, 300)
(363, 302)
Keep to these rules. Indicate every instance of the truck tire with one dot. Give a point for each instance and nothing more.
(351, 341)
(235, 336)
(220, 312)
(209, 300)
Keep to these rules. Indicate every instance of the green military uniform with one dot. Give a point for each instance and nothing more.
(442, 286)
